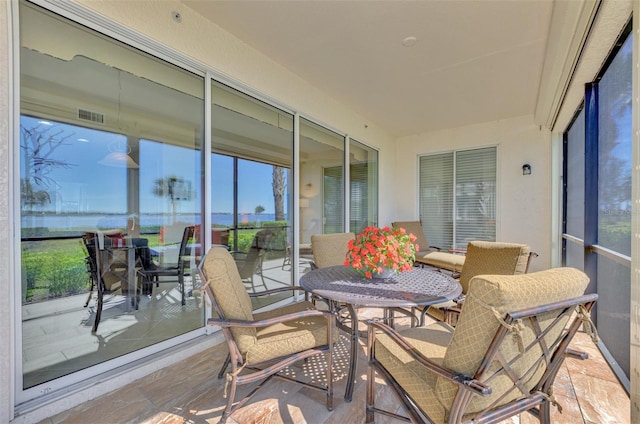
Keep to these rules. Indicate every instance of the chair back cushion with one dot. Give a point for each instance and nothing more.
(415, 228)
(221, 274)
(330, 249)
(490, 297)
(488, 257)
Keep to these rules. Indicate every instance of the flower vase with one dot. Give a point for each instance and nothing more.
(386, 273)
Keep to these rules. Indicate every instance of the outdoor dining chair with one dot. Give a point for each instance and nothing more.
(329, 249)
(263, 344)
(432, 256)
(152, 272)
(482, 257)
(500, 360)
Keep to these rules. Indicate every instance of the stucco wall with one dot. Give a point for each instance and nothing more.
(524, 202)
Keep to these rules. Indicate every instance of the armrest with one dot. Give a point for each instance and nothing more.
(463, 380)
(269, 321)
(276, 290)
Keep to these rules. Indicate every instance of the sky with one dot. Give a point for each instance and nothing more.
(83, 185)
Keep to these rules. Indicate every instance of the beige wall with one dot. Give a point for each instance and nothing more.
(6, 318)
(524, 202)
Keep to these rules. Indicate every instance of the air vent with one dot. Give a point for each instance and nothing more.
(88, 115)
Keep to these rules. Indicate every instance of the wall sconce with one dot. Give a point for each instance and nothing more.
(303, 203)
(526, 169)
(309, 190)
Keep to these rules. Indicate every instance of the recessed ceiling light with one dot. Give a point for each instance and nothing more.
(409, 41)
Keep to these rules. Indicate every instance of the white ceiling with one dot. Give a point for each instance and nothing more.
(474, 60)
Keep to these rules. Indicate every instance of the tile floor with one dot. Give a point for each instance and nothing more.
(190, 392)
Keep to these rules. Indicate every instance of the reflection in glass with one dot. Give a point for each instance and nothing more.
(110, 144)
(252, 151)
(363, 173)
(321, 180)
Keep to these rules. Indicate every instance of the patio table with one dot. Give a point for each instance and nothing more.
(409, 289)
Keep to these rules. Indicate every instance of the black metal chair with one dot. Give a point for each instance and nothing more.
(152, 272)
(108, 270)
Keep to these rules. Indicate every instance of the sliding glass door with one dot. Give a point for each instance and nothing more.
(252, 157)
(110, 144)
(112, 175)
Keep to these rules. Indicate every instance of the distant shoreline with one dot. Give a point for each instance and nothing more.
(66, 221)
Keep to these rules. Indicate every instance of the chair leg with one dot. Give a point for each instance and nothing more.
(329, 376)
(545, 412)
(181, 283)
(224, 366)
(98, 310)
(89, 296)
(231, 396)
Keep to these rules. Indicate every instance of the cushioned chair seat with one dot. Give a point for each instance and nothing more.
(290, 337)
(443, 260)
(432, 342)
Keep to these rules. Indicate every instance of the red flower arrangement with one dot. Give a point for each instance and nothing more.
(376, 249)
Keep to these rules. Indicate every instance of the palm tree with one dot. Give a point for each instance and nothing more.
(173, 188)
(278, 192)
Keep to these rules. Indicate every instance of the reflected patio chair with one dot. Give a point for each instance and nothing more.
(187, 254)
(250, 262)
(261, 345)
(107, 269)
(502, 358)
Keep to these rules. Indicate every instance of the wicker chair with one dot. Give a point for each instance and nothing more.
(261, 345)
(483, 257)
(431, 255)
(496, 363)
(329, 249)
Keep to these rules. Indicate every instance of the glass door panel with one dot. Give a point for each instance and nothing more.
(110, 144)
(364, 187)
(321, 181)
(252, 151)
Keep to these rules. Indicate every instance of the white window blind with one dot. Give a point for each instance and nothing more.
(436, 199)
(475, 201)
(458, 197)
(333, 200)
(359, 213)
